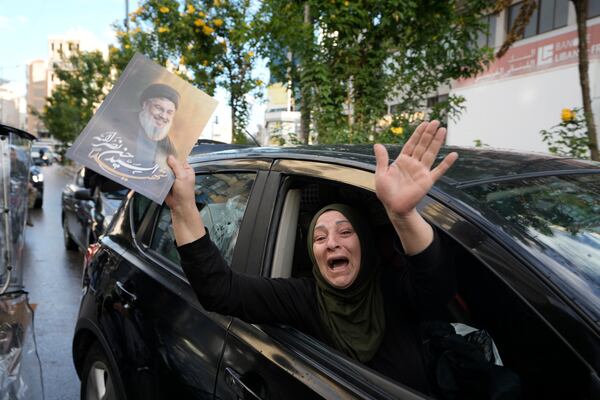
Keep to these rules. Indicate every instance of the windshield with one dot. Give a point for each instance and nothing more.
(559, 213)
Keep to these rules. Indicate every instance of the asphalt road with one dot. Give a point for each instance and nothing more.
(52, 275)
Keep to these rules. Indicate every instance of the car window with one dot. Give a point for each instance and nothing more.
(222, 200)
(559, 213)
(140, 206)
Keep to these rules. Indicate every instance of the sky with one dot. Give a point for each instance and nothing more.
(26, 24)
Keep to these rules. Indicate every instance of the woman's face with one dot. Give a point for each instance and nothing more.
(336, 249)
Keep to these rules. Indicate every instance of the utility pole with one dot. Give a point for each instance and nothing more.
(126, 21)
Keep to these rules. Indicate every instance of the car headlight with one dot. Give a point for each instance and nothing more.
(38, 178)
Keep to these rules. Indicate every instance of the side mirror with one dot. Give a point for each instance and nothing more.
(83, 194)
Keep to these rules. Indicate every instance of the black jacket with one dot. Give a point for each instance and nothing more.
(412, 293)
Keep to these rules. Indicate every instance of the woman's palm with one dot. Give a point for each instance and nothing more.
(401, 185)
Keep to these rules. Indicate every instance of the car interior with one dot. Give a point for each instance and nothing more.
(546, 366)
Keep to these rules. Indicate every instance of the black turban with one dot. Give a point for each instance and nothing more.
(160, 90)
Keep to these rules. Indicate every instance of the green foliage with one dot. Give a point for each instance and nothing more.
(479, 143)
(346, 58)
(84, 83)
(569, 137)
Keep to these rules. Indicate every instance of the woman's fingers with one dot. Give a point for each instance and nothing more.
(382, 159)
(425, 139)
(176, 166)
(432, 151)
(412, 142)
(446, 163)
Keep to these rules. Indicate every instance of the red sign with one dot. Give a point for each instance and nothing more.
(538, 56)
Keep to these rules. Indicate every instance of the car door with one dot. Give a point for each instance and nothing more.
(173, 345)
(541, 334)
(272, 361)
(77, 213)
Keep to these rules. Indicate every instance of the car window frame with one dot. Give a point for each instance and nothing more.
(143, 238)
(354, 374)
(466, 233)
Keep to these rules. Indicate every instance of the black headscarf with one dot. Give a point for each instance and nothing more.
(353, 317)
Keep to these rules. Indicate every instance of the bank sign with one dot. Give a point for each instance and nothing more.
(537, 56)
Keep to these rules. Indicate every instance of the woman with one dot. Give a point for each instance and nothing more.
(367, 311)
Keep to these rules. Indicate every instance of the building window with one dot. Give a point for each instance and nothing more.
(488, 36)
(432, 101)
(70, 46)
(593, 8)
(548, 15)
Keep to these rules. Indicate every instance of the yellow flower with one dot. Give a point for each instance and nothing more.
(139, 11)
(250, 53)
(205, 62)
(127, 46)
(207, 30)
(346, 3)
(163, 29)
(137, 30)
(397, 130)
(218, 22)
(567, 115)
(164, 9)
(199, 22)
(121, 33)
(191, 9)
(217, 3)
(259, 82)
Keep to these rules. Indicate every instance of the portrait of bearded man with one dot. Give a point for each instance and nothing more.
(149, 127)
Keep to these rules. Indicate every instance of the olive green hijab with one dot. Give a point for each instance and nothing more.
(353, 317)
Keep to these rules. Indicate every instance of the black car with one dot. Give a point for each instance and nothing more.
(36, 177)
(86, 212)
(526, 233)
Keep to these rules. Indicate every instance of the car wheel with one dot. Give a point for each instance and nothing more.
(98, 380)
(69, 243)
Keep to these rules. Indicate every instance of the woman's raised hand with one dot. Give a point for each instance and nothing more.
(401, 185)
(182, 193)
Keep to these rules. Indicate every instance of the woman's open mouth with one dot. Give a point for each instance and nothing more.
(337, 262)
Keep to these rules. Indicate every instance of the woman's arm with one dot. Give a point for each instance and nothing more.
(401, 185)
(218, 288)
(187, 222)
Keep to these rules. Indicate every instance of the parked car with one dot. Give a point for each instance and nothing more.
(86, 213)
(36, 177)
(525, 229)
(41, 155)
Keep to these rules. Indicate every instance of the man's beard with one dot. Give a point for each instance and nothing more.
(152, 131)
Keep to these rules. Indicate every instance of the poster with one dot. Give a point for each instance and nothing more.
(149, 114)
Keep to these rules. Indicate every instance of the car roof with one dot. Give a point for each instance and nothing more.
(474, 166)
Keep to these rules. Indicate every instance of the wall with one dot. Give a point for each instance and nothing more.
(525, 91)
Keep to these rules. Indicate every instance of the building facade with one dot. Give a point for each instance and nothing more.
(524, 91)
(282, 122)
(37, 91)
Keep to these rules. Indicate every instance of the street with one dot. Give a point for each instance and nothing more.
(52, 276)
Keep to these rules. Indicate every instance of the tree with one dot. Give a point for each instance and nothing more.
(516, 33)
(345, 59)
(84, 82)
(209, 43)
